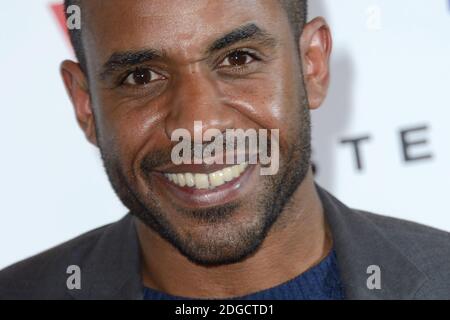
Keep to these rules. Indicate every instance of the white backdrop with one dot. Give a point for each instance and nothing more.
(390, 73)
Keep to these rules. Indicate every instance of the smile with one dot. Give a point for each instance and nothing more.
(207, 181)
(198, 186)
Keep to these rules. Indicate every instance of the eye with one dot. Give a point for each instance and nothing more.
(238, 58)
(141, 77)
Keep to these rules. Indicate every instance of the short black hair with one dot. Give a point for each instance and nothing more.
(297, 11)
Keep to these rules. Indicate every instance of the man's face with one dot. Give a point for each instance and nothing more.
(157, 66)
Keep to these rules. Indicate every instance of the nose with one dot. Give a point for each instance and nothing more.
(197, 97)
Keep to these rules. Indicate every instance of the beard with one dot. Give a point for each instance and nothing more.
(217, 238)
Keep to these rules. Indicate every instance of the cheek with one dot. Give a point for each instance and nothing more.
(272, 101)
(126, 129)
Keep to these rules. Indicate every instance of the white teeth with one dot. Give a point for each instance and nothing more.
(216, 178)
(189, 177)
(235, 171)
(181, 180)
(207, 181)
(227, 174)
(201, 181)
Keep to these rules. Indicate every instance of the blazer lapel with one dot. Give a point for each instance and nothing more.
(359, 243)
(112, 269)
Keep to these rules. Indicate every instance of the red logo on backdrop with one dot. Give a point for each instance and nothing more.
(58, 12)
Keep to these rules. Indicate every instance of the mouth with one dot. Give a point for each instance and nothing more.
(199, 186)
(210, 181)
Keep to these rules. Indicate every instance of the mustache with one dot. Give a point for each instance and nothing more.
(156, 159)
(163, 157)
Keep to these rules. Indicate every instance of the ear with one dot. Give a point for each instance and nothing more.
(76, 85)
(315, 50)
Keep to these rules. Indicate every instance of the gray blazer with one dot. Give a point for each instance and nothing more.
(411, 261)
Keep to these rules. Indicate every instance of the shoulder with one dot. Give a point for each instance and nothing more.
(44, 275)
(426, 247)
(410, 236)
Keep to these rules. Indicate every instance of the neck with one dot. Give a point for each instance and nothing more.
(297, 241)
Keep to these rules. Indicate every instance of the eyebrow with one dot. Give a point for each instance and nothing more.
(126, 59)
(244, 33)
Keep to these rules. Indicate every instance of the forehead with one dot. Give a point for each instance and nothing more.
(177, 25)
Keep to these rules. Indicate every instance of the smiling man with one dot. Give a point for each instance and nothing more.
(150, 67)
